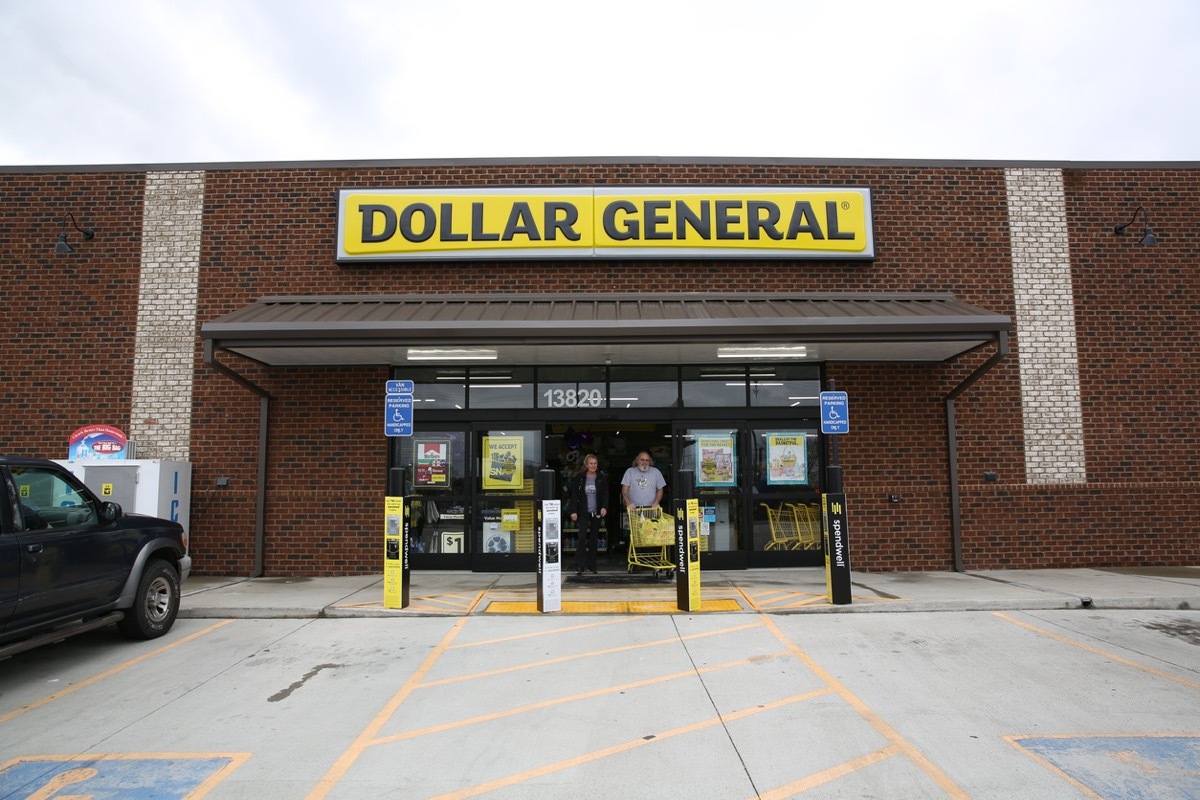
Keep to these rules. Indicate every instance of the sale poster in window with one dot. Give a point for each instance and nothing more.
(431, 465)
(787, 462)
(718, 461)
(503, 462)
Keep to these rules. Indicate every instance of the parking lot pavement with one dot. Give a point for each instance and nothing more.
(783, 591)
(978, 705)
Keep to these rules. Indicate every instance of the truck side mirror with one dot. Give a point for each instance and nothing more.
(109, 512)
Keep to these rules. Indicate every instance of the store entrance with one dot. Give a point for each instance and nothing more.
(616, 445)
(757, 483)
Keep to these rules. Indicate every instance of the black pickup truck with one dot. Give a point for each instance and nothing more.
(70, 562)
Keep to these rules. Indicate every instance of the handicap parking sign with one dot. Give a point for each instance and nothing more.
(835, 412)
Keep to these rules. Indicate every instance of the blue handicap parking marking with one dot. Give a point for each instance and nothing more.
(1163, 767)
(107, 777)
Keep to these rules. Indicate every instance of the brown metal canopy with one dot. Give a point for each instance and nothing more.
(650, 328)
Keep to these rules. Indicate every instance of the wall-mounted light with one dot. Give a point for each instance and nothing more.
(62, 246)
(1147, 234)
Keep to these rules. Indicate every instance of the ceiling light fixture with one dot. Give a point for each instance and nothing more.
(451, 354)
(764, 351)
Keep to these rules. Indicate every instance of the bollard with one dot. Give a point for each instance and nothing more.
(548, 544)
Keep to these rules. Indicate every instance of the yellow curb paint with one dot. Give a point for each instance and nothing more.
(608, 607)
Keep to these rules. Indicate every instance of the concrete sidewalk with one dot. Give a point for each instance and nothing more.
(777, 591)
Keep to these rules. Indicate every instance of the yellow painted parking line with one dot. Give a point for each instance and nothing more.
(1097, 651)
(549, 769)
(826, 776)
(557, 701)
(609, 606)
(622, 649)
(903, 746)
(370, 734)
(534, 634)
(463, 603)
(108, 673)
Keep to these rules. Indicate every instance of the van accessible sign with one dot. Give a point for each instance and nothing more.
(775, 222)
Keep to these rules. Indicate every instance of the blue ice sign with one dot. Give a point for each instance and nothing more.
(835, 412)
(400, 387)
(398, 415)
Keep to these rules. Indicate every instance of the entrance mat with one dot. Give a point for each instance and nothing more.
(610, 606)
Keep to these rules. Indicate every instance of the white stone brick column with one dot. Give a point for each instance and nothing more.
(165, 348)
(1048, 357)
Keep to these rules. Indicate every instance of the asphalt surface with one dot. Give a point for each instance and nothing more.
(782, 591)
(1064, 684)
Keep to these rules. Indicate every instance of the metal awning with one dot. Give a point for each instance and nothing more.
(646, 328)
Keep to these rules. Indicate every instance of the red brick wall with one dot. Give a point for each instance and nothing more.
(68, 321)
(271, 232)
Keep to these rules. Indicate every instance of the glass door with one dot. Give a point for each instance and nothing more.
(784, 512)
(506, 466)
(711, 459)
(435, 464)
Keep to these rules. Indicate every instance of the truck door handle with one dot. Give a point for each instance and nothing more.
(33, 548)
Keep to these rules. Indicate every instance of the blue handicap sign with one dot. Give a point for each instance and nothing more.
(835, 412)
(1124, 767)
(107, 777)
(398, 415)
(400, 387)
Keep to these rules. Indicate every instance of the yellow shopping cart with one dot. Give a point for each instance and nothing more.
(651, 540)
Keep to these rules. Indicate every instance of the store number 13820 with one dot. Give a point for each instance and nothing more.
(573, 398)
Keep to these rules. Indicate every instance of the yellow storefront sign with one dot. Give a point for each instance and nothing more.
(605, 222)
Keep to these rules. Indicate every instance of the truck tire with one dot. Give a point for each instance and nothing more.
(155, 605)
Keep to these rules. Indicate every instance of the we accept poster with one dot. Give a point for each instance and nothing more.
(503, 462)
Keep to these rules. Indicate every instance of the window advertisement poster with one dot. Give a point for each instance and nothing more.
(503, 462)
(432, 462)
(718, 460)
(787, 459)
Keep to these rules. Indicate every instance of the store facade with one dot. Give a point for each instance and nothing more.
(1018, 372)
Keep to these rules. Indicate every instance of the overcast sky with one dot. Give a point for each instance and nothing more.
(168, 81)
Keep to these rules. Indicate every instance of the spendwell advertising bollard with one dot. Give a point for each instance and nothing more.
(687, 544)
(396, 533)
(835, 421)
(548, 544)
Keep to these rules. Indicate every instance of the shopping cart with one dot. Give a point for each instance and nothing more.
(651, 540)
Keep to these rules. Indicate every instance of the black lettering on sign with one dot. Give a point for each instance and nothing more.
(831, 214)
(446, 229)
(804, 221)
(520, 221)
(655, 221)
(762, 215)
(478, 234)
(686, 217)
(563, 224)
(368, 212)
(428, 218)
(726, 217)
(629, 227)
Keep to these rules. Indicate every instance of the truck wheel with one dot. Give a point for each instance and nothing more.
(155, 605)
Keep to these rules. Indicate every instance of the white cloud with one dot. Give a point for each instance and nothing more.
(148, 81)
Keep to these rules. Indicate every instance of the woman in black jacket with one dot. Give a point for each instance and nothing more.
(587, 506)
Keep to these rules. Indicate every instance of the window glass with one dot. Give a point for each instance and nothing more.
(571, 387)
(786, 385)
(502, 388)
(643, 387)
(436, 387)
(717, 386)
(45, 500)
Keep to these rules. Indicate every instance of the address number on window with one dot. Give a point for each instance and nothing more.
(573, 398)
